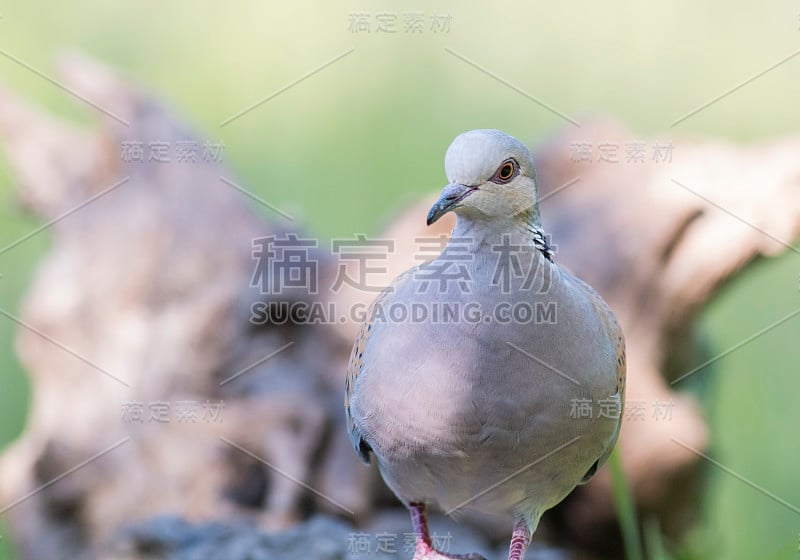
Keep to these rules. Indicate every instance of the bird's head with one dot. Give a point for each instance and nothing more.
(492, 177)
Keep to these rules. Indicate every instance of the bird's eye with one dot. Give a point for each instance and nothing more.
(505, 172)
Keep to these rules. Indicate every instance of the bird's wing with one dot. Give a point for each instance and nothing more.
(356, 366)
(614, 332)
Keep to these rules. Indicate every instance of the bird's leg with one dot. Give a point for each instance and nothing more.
(424, 549)
(520, 539)
(419, 518)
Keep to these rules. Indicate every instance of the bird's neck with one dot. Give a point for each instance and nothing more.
(524, 230)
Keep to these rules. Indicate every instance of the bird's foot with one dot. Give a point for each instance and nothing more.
(425, 549)
(427, 552)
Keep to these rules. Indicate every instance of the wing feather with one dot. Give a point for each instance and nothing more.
(356, 366)
(614, 332)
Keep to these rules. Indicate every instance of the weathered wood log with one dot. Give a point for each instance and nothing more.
(143, 308)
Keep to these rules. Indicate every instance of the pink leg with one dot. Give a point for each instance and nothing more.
(424, 549)
(419, 518)
(520, 539)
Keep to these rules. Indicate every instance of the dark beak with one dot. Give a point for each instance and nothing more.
(451, 195)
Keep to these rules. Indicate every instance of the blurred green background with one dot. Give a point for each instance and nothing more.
(352, 143)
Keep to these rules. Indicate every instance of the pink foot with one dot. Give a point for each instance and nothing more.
(424, 549)
(425, 552)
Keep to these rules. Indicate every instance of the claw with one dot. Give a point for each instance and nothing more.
(425, 550)
(431, 554)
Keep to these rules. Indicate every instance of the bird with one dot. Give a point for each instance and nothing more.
(489, 378)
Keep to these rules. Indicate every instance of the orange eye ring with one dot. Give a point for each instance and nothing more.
(506, 171)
